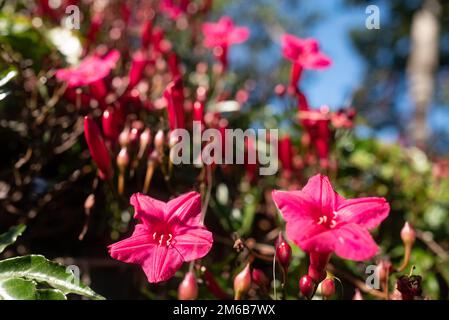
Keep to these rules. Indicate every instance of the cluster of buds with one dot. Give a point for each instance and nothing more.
(317, 273)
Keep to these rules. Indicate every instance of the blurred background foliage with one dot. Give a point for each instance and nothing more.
(46, 172)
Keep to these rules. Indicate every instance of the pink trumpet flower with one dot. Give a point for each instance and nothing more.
(167, 235)
(320, 221)
(305, 54)
(91, 71)
(221, 35)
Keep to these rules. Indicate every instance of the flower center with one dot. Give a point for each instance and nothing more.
(162, 239)
(329, 222)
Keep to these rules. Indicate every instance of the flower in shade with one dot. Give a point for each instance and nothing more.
(167, 235)
(97, 148)
(222, 34)
(304, 53)
(90, 70)
(319, 220)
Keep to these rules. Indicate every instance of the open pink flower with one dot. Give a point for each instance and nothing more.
(319, 220)
(168, 235)
(90, 70)
(304, 53)
(174, 8)
(221, 35)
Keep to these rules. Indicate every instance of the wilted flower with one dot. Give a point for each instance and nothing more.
(167, 235)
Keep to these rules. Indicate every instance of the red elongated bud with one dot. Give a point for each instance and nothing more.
(198, 111)
(286, 153)
(242, 283)
(212, 285)
(173, 65)
(283, 252)
(174, 94)
(408, 234)
(138, 64)
(188, 288)
(259, 278)
(110, 124)
(97, 148)
(328, 287)
(307, 286)
(318, 263)
(147, 34)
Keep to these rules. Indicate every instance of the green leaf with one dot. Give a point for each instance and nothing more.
(43, 271)
(50, 294)
(10, 237)
(17, 289)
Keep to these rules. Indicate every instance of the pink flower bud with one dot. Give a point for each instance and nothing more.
(408, 234)
(97, 148)
(328, 287)
(280, 89)
(283, 252)
(384, 268)
(242, 282)
(159, 141)
(188, 288)
(123, 159)
(260, 278)
(124, 138)
(357, 295)
(307, 286)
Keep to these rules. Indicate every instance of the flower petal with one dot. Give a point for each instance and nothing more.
(135, 249)
(162, 264)
(295, 205)
(301, 231)
(193, 243)
(147, 209)
(238, 35)
(366, 212)
(184, 209)
(316, 61)
(354, 243)
(324, 241)
(319, 188)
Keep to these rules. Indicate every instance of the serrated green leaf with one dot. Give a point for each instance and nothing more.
(41, 270)
(10, 236)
